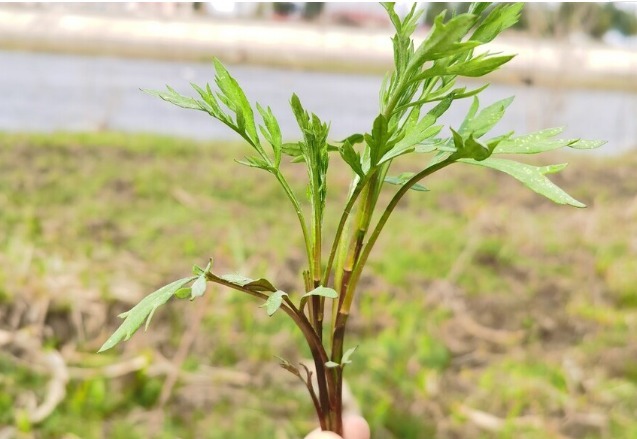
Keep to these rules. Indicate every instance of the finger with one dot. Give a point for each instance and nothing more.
(318, 434)
(355, 427)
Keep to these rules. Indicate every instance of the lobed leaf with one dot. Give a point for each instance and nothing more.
(175, 98)
(479, 124)
(143, 311)
(236, 100)
(532, 177)
(414, 134)
(404, 178)
(271, 132)
(502, 17)
(542, 141)
(378, 140)
(444, 39)
(479, 66)
(352, 158)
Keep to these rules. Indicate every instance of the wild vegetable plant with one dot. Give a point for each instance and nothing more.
(413, 97)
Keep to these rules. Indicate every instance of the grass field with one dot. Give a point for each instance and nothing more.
(486, 312)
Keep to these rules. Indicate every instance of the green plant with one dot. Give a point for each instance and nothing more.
(413, 98)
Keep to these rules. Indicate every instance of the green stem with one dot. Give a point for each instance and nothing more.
(339, 230)
(299, 213)
(381, 223)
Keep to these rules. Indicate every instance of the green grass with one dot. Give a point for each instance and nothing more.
(89, 223)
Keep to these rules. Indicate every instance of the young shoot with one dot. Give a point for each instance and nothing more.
(414, 95)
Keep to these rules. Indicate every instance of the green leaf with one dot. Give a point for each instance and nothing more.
(175, 98)
(347, 355)
(480, 124)
(532, 177)
(414, 134)
(354, 139)
(478, 8)
(144, 310)
(322, 291)
(274, 302)
(236, 100)
(378, 139)
(331, 365)
(470, 147)
(542, 141)
(404, 178)
(587, 144)
(479, 66)
(351, 157)
(272, 132)
(246, 282)
(255, 162)
(183, 293)
(502, 17)
(198, 287)
(444, 39)
(292, 149)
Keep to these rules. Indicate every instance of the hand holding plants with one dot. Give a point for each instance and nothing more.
(413, 99)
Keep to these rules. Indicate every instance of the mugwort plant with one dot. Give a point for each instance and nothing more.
(413, 97)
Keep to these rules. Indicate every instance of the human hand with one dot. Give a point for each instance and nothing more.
(354, 427)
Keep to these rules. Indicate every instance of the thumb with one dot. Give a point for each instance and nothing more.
(317, 434)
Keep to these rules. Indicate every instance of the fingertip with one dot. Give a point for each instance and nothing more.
(355, 427)
(318, 434)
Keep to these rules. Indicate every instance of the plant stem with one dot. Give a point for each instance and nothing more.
(381, 223)
(339, 230)
(299, 213)
(329, 400)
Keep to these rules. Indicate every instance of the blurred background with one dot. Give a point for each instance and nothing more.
(486, 311)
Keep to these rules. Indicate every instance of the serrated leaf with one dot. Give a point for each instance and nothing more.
(414, 135)
(236, 100)
(347, 355)
(479, 66)
(480, 123)
(198, 287)
(143, 311)
(444, 39)
(542, 141)
(502, 17)
(175, 98)
(292, 149)
(404, 178)
(531, 176)
(354, 139)
(533, 143)
(329, 293)
(272, 132)
(469, 147)
(378, 140)
(351, 157)
(255, 162)
(250, 284)
(274, 302)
